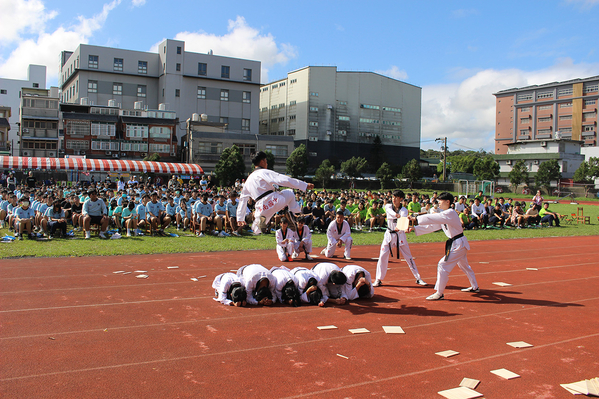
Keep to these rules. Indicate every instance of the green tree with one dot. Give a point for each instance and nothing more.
(354, 166)
(519, 174)
(385, 175)
(548, 172)
(583, 173)
(324, 172)
(230, 166)
(486, 168)
(594, 167)
(412, 171)
(377, 154)
(152, 158)
(270, 160)
(297, 163)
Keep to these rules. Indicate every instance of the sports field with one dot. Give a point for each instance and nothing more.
(72, 328)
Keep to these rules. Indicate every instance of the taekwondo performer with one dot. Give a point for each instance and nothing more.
(359, 282)
(456, 247)
(229, 290)
(259, 284)
(395, 238)
(260, 186)
(286, 288)
(333, 279)
(338, 233)
(310, 286)
(304, 238)
(286, 242)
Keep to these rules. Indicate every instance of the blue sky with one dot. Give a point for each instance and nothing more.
(458, 52)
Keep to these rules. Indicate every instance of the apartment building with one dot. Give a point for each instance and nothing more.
(226, 89)
(39, 123)
(5, 144)
(10, 96)
(337, 114)
(111, 132)
(566, 110)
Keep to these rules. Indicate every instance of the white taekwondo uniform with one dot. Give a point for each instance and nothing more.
(284, 250)
(323, 271)
(250, 275)
(449, 221)
(334, 235)
(282, 276)
(350, 272)
(262, 181)
(221, 285)
(306, 237)
(303, 275)
(394, 239)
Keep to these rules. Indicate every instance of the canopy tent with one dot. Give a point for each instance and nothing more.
(99, 165)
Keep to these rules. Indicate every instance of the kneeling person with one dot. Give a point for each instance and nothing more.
(286, 288)
(259, 283)
(229, 290)
(338, 234)
(286, 242)
(310, 286)
(359, 282)
(331, 276)
(304, 238)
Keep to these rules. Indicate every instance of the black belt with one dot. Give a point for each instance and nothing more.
(397, 242)
(449, 242)
(264, 195)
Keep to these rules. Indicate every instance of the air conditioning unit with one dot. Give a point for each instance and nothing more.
(144, 154)
(108, 152)
(508, 162)
(115, 155)
(25, 130)
(26, 153)
(329, 106)
(123, 154)
(138, 105)
(81, 152)
(536, 162)
(543, 144)
(52, 154)
(173, 154)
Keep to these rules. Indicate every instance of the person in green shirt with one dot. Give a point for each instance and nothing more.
(466, 219)
(414, 207)
(549, 217)
(375, 216)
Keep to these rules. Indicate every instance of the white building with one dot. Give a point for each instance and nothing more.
(224, 88)
(534, 152)
(337, 114)
(10, 96)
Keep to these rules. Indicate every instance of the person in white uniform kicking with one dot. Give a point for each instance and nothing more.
(456, 247)
(286, 242)
(395, 238)
(338, 233)
(259, 284)
(229, 290)
(260, 186)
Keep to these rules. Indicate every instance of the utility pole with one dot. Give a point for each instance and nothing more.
(444, 148)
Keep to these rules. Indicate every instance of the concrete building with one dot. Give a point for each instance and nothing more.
(337, 114)
(538, 112)
(204, 142)
(10, 96)
(110, 132)
(226, 89)
(39, 123)
(5, 144)
(534, 152)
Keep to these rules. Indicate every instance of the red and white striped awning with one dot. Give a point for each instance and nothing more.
(99, 165)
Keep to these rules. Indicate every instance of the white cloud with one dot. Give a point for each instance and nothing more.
(21, 17)
(138, 3)
(464, 112)
(45, 47)
(394, 72)
(241, 41)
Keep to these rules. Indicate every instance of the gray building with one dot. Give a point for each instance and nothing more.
(226, 89)
(10, 96)
(337, 114)
(39, 123)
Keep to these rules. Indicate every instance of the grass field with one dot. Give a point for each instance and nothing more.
(187, 243)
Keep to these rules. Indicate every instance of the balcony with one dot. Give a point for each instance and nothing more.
(36, 132)
(27, 112)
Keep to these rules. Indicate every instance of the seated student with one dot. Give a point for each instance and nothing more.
(220, 216)
(286, 241)
(375, 216)
(414, 207)
(114, 213)
(23, 218)
(333, 279)
(304, 238)
(467, 222)
(203, 216)
(232, 214)
(318, 217)
(338, 234)
(140, 209)
(286, 288)
(129, 218)
(40, 209)
(307, 212)
(479, 213)
(183, 215)
(498, 216)
(56, 219)
(94, 212)
(329, 211)
(359, 282)
(155, 214)
(346, 213)
(435, 208)
(259, 283)
(229, 290)
(517, 213)
(171, 209)
(3, 208)
(549, 217)
(310, 287)
(531, 217)
(359, 214)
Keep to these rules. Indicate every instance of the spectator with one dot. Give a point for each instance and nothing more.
(94, 211)
(549, 217)
(129, 218)
(23, 218)
(30, 180)
(204, 216)
(155, 215)
(537, 199)
(479, 213)
(375, 216)
(56, 219)
(467, 222)
(220, 216)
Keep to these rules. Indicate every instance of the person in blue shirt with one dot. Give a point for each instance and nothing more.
(56, 219)
(24, 216)
(3, 208)
(94, 211)
(141, 212)
(155, 214)
(220, 216)
(232, 214)
(183, 215)
(171, 208)
(204, 215)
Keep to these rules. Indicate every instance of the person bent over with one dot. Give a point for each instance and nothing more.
(228, 290)
(334, 281)
(359, 282)
(259, 283)
(310, 287)
(286, 288)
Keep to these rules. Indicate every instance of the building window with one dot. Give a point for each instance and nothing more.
(265, 88)
(291, 132)
(566, 130)
(3, 91)
(590, 102)
(390, 109)
(312, 154)
(545, 119)
(589, 128)
(177, 92)
(565, 118)
(278, 150)
(314, 124)
(178, 49)
(117, 89)
(202, 69)
(291, 117)
(245, 124)
(93, 62)
(525, 109)
(565, 105)
(313, 94)
(367, 120)
(178, 67)
(544, 131)
(281, 84)
(391, 123)
(524, 97)
(282, 119)
(201, 92)
(282, 105)
(313, 138)
(118, 65)
(210, 148)
(142, 67)
(544, 107)
(274, 86)
(224, 119)
(264, 109)
(247, 75)
(588, 115)
(565, 92)
(273, 107)
(224, 95)
(92, 86)
(524, 121)
(344, 118)
(591, 88)
(292, 102)
(246, 97)
(36, 85)
(134, 130)
(368, 106)
(545, 94)
(292, 81)
(225, 71)
(314, 109)
(141, 91)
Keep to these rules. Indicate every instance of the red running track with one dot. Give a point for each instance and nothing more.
(70, 328)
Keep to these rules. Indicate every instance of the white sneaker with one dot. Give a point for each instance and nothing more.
(102, 235)
(347, 257)
(377, 283)
(323, 250)
(128, 234)
(294, 255)
(87, 235)
(202, 234)
(420, 282)
(308, 257)
(236, 234)
(435, 297)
